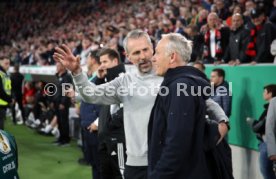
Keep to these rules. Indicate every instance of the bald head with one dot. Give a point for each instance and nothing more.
(237, 21)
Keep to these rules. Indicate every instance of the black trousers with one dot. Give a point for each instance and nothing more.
(63, 125)
(90, 151)
(136, 172)
(2, 117)
(18, 99)
(112, 158)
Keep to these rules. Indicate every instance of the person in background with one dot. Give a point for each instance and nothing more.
(215, 40)
(88, 114)
(5, 89)
(270, 136)
(224, 98)
(111, 125)
(261, 36)
(17, 88)
(199, 65)
(238, 40)
(62, 104)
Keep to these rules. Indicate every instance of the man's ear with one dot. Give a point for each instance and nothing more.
(127, 56)
(116, 60)
(172, 58)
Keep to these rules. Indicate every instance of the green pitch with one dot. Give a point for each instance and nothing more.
(40, 159)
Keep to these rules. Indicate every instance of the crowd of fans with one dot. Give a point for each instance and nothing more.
(29, 38)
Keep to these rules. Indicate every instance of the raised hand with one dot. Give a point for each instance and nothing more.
(64, 55)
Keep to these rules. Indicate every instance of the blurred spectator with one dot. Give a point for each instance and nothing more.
(5, 89)
(88, 115)
(273, 50)
(215, 40)
(236, 10)
(222, 11)
(271, 134)
(199, 65)
(238, 40)
(193, 34)
(62, 104)
(17, 87)
(261, 37)
(222, 94)
(86, 48)
(70, 23)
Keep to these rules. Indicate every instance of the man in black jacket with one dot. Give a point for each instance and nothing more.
(5, 89)
(17, 84)
(62, 104)
(176, 127)
(111, 128)
(261, 36)
(238, 40)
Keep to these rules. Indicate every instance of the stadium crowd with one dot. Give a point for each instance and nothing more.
(29, 38)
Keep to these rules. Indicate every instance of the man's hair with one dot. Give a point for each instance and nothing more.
(16, 67)
(3, 57)
(220, 72)
(200, 63)
(135, 34)
(112, 54)
(95, 55)
(271, 88)
(179, 44)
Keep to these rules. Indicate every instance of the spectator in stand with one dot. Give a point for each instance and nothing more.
(198, 41)
(236, 10)
(222, 11)
(261, 37)
(238, 40)
(86, 48)
(215, 40)
(202, 18)
(249, 6)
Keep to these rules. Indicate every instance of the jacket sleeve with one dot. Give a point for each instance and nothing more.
(178, 140)
(215, 112)
(3, 94)
(98, 94)
(270, 128)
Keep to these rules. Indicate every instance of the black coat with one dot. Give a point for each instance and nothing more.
(111, 124)
(238, 42)
(176, 128)
(59, 98)
(265, 36)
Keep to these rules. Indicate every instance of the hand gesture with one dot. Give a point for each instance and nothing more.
(64, 55)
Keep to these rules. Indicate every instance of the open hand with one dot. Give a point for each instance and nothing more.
(64, 55)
